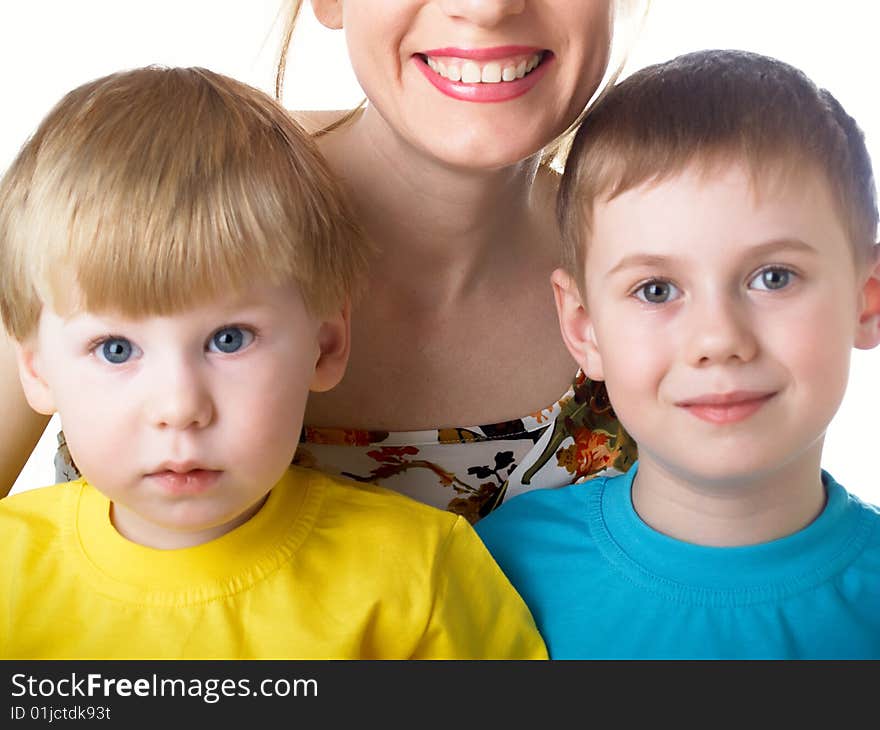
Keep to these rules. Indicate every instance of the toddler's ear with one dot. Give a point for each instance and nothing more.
(334, 343)
(35, 387)
(868, 332)
(576, 326)
(328, 13)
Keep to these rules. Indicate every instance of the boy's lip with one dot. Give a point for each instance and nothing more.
(727, 398)
(728, 407)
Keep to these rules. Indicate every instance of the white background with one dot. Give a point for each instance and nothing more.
(47, 47)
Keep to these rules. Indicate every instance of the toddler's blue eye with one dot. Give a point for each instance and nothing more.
(230, 339)
(116, 350)
(657, 292)
(771, 279)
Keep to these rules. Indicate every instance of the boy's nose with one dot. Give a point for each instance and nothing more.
(483, 12)
(180, 400)
(720, 332)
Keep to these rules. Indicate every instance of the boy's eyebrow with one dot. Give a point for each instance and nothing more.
(643, 260)
(782, 244)
(640, 260)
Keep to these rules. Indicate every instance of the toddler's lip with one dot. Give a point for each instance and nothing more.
(180, 467)
(185, 483)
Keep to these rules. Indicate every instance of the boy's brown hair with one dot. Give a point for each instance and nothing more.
(151, 190)
(709, 108)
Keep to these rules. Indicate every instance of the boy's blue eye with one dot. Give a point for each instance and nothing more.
(116, 350)
(230, 339)
(771, 279)
(657, 292)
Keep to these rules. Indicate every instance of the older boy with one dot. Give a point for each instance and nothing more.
(175, 266)
(720, 219)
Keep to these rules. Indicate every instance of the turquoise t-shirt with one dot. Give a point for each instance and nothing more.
(602, 584)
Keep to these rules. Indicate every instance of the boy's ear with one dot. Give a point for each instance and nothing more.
(328, 13)
(334, 344)
(36, 389)
(576, 325)
(868, 331)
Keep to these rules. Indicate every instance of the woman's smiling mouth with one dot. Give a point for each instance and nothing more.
(484, 75)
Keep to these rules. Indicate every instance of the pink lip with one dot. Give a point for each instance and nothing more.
(484, 93)
(190, 482)
(721, 408)
(483, 54)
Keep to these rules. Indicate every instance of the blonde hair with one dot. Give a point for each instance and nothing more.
(709, 108)
(630, 18)
(630, 15)
(155, 189)
(292, 15)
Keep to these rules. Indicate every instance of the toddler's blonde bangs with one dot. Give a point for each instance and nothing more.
(155, 190)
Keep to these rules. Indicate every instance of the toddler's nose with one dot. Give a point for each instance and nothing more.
(180, 400)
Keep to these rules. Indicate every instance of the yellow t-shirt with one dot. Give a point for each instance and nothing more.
(327, 569)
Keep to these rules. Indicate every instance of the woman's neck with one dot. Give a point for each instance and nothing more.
(427, 217)
(742, 510)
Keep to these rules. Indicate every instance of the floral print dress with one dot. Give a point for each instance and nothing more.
(470, 470)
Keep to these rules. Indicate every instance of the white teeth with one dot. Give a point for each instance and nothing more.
(470, 72)
(491, 73)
